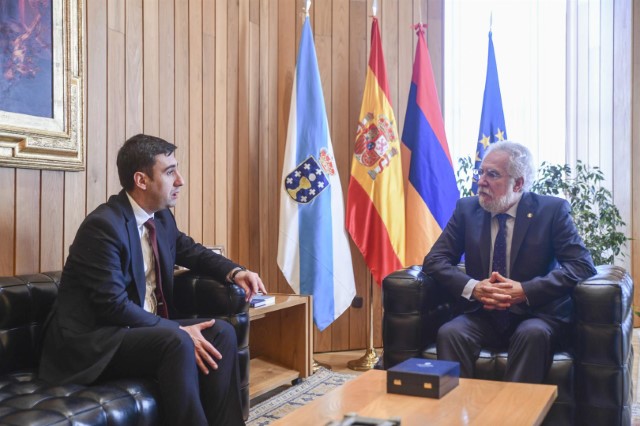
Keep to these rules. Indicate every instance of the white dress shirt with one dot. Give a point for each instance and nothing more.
(150, 302)
(471, 284)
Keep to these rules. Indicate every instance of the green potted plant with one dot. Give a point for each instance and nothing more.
(596, 216)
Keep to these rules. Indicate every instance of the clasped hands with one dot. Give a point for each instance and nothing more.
(498, 292)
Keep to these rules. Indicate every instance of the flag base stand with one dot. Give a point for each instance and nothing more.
(317, 365)
(366, 362)
(370, 357)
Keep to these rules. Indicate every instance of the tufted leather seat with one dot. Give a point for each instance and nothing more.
(592, 373)
(25, 302)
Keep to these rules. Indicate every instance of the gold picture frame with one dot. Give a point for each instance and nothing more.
(54, 142)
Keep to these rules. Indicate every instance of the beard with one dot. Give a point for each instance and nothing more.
(501, 204)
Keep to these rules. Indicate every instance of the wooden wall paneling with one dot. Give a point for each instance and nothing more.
(406, 36)
(271, 128)
(322, 40)
(134, 65)
(267, 145)
(342, 129)
(51, 212)
(435, 34)
(287, 17)
(242, 161)
(233, 123)
(75, 186)
(116, 106)
(96, 85)
(340, 132)
(181, 111)
(208, 123)
(151, 67)
(253, 164)
(389, 31)
(7, 220)
(166, 75)
(195, 120)
(264, 140)
(28, 221)
(359, 36)
(221, 185)
(299, 22)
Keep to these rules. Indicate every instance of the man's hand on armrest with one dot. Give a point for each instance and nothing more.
(249, 281)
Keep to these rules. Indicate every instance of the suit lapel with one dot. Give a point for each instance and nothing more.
(137, 262)
(524, 215)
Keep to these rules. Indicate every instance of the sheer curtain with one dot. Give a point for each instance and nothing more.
(565, 70)
(529, 37)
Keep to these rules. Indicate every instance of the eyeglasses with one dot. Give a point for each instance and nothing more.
(490, 174)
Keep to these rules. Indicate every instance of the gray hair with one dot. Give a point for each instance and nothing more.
(521, 161)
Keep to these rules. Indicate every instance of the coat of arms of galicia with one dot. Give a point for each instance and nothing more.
(307, 180)
(375, 143)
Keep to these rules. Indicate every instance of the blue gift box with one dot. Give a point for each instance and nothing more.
(423, 377)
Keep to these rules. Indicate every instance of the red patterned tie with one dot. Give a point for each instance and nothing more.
(501, 318)
(161, 303)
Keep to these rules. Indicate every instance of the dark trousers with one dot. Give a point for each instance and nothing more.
(529, 341)
(188, 397)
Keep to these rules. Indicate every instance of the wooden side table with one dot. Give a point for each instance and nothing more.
(280, 343)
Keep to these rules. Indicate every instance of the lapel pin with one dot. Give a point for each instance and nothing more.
(529, 215)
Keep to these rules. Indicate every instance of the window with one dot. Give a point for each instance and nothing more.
(529, 38)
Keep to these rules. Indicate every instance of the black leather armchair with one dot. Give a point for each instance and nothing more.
(25, 302)
(593, 374)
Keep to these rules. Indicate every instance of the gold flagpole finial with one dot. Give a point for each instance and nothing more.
(307, 7)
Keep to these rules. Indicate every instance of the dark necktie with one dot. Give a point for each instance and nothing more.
(160, 302)
(501, 318)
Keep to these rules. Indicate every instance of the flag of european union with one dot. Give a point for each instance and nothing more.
(492, 126)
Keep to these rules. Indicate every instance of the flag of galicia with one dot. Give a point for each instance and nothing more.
(306, 182)
(313, 248)
(492, 126)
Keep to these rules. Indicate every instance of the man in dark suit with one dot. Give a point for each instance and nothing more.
(111, 320)
(523, 257)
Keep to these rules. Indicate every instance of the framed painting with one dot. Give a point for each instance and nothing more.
(41, 84)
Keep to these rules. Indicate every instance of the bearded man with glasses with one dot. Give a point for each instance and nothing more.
(523, 257)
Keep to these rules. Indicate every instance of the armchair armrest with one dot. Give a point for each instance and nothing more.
(200, 296)
(603, 346)
(414, 309)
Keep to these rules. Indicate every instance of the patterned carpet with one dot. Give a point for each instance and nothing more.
(321, 382)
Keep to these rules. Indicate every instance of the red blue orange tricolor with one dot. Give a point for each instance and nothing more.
(431, 190)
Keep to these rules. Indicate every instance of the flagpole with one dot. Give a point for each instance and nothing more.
(370, 357)
(316, 365)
